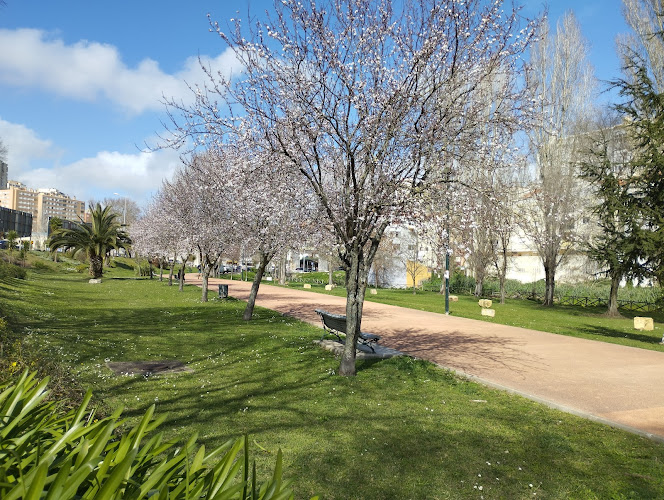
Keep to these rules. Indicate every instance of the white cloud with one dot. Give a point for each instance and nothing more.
(136, 175)
(90, 71)
(24, 146)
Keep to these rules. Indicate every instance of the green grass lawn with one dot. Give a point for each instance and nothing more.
(400, 429)
(576, 321)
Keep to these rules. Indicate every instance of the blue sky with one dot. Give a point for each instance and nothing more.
(81, 82)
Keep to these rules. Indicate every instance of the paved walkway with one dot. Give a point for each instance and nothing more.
(618, 385)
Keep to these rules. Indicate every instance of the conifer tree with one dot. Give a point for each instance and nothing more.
(608, 169)
(644, 110)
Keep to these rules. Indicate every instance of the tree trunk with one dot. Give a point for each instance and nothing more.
(282, 272)
(356, 286)
(205, 274)
(161, 269)
(613, 297)
(442, 276)
(550, 279)
(502, 273)
(172, 270)
(501, 280)
(181, 287)
(96, 266)
(330, 280)
(249, 310)
(479, 286)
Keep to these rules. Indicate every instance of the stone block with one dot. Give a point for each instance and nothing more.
(454, 298)
(374, 291)
(307, 285)
(642, 323)
(329, 287)
(488, 312)
(269, 278)
(485, 303)
(95, 281)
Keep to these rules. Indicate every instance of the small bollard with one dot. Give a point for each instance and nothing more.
(223, 291)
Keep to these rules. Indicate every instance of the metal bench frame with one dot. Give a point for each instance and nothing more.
(335, 324)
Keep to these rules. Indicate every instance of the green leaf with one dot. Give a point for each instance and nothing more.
(37, 483)
(56, 488)
(112, 485)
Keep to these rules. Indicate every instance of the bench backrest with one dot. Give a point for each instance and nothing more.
(333, 321)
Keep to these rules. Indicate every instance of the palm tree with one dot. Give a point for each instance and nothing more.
(97, 239)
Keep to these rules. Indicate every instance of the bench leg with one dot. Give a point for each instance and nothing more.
(330, 332)
(368, 344)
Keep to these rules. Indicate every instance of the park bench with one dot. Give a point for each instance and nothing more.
(335, 324)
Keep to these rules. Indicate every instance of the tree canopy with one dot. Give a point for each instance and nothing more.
(366, 102)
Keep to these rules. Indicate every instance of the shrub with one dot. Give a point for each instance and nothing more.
(18, 355)
(82, 268)
(460, 283)
(8, 270)
(73, 455)
(142, 268)
(75, 255)
(40, 265)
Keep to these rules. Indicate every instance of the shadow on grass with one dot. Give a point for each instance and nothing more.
(378, 465)
(601, 331)
(122, 265)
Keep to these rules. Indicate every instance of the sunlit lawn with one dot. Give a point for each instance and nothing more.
(400, 429)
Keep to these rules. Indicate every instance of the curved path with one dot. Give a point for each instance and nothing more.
(618, 385)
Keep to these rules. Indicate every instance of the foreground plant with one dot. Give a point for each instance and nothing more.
(45, 453)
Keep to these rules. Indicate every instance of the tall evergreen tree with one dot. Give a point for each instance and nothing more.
(643, 109)
(608, 170)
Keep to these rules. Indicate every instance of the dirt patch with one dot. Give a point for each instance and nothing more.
(147, 368)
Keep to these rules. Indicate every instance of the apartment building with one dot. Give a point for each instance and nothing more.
(42, 204)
